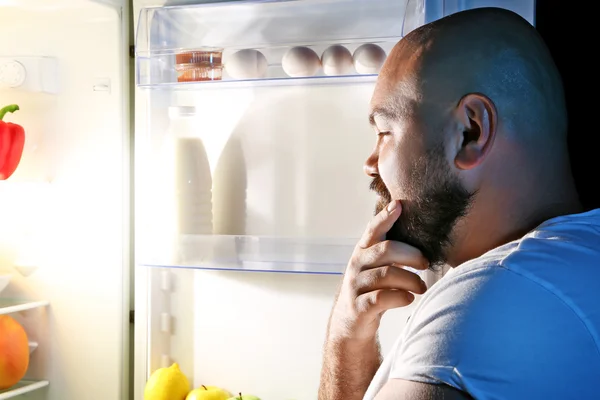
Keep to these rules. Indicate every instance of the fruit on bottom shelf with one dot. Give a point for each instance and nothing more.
(14, 352)
(241, 396)
(208, 393)
(167, 384)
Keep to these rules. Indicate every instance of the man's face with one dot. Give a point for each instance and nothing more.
(409, 167)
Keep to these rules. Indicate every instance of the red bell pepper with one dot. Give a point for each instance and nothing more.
(12, 141)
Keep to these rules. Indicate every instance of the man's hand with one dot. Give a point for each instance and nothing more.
(375, 281)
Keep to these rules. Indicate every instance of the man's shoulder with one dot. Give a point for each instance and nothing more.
(562, 249)
(573, 238)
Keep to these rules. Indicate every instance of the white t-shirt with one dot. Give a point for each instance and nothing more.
(520, 322)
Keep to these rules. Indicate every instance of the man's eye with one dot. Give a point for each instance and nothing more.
(383, 133)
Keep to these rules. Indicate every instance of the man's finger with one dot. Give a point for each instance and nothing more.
(379, 301)
(380, 225)
(389, 277)
(390, 252)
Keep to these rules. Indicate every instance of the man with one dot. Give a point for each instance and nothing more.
(472, 171)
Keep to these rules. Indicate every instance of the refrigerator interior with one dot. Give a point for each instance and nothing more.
(64, 231)
(236, 286)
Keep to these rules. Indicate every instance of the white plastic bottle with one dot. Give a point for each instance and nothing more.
(192, 181)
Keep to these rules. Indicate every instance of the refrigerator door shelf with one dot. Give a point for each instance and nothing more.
(22, 388)
(267, 31)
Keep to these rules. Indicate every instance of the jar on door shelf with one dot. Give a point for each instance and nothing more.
(204, 64)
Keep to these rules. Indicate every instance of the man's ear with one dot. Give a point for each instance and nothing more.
(478, 118)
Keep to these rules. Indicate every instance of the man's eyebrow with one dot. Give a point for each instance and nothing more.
(383, 112)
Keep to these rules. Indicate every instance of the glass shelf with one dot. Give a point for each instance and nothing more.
(258, 253)
(269, 28)
(13, 306)
(281, 81)
(22, 387)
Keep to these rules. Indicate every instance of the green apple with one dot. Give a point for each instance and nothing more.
(241, 396)
(208, 393)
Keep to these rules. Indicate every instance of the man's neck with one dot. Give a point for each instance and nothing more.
(486, 228)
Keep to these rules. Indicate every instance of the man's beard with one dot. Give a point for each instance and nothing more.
(435, 202)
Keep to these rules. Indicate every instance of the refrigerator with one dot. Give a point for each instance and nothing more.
(191, 186)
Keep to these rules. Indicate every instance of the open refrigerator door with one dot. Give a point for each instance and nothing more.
(64, 231)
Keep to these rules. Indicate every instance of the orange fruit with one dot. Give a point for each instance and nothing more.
(14, 352)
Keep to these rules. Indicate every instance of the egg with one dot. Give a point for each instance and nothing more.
(368, 58)
(246, 64)
(300, 61)
(337, 60)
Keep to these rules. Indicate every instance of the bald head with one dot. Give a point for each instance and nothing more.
(491, 51)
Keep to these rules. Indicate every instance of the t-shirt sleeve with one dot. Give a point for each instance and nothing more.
(498, 335)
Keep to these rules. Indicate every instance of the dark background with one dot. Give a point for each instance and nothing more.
(566, 26)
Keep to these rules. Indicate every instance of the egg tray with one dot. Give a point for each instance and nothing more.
(205, 64)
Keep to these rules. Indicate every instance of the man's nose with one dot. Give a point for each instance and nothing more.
(370, 166)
